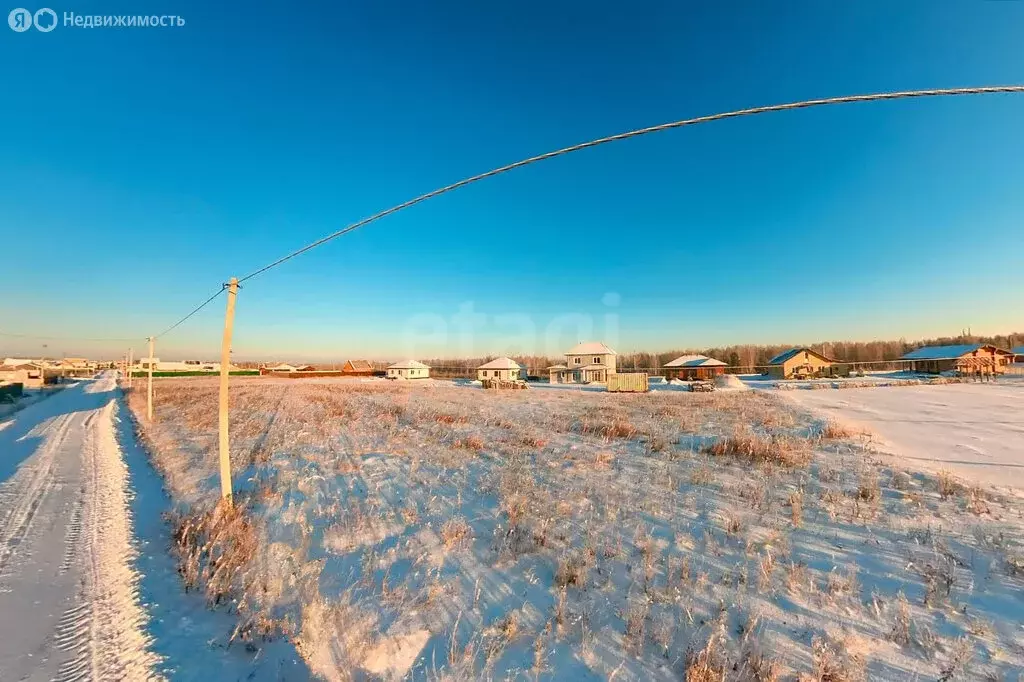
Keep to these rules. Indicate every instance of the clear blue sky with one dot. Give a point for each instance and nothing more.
(141, 167)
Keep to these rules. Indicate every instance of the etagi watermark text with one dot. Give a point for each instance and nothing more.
(45, 20)
(472, 333)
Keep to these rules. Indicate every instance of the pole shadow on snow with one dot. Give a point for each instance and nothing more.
(192, 639)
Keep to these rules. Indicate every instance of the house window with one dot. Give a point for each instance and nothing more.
(597, 361)
(576, 361)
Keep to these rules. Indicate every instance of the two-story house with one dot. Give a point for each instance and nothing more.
(587, 362)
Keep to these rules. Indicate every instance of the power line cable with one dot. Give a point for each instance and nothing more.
(194, 311)
(805, 104)
(62, 338)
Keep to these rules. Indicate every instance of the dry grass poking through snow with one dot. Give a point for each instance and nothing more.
(449, 533)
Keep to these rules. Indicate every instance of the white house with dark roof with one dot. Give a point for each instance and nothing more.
(586, 362)
(504, 369)
(408, 369)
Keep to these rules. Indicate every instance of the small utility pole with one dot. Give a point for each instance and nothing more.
(131, 360)
(225, 364)
(149, 386)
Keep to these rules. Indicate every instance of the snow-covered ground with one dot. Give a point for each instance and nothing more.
(68, 593)
(88, 590)
(975, 430)
(447, 532)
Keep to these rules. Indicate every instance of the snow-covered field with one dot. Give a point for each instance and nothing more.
(974, 430)
(447, 532)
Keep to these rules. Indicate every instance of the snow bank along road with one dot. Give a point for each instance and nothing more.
(69, 604)
(973, 430)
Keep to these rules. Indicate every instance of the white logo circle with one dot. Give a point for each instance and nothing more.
(19, 20)
(45, 12)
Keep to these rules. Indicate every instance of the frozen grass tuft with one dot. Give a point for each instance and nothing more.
(748, 446)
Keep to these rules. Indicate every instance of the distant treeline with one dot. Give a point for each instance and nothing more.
(751, 355)
(742, 355)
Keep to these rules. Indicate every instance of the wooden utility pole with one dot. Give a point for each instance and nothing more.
(149, 386)
(131, 360)
(225, 364)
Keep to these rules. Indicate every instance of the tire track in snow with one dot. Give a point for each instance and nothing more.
(73, 534)
(23, 493)
(105, 632)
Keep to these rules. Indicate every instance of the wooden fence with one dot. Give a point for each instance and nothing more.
(10, 393)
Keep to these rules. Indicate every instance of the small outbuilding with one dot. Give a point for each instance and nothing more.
(691, 367)
(357, 368)
(503, 369)
(800, 363)
(974, 358)
(408, 369)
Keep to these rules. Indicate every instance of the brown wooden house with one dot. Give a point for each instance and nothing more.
(357, 368)
(691, 367)
(973, 358)
(800, 363)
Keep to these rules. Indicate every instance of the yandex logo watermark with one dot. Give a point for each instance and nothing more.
(45, 20)
(21, 20)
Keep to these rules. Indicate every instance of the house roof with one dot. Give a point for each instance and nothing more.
(16, 361)
(786, 355)
(23, 366)
(695, 361)
(408, 364)
(283, 367)
(1019, 350)
(360, 365)
(558, 367)
(501, 363)
(590, 348)
(948, 352)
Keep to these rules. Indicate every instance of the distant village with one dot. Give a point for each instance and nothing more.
(590, 362)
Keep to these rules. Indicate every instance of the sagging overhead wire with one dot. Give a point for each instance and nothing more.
(194, 311)
(752, 111)
(805, 104)
(43, 337)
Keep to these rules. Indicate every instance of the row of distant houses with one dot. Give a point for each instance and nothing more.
(975, 358)
(351, 368)
(594, 362)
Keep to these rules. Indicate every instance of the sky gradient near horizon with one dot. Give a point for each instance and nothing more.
(145, 166)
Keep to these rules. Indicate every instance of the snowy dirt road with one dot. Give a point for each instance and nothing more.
(88, 587)
(974, 430)
(68, 592)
